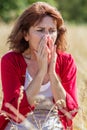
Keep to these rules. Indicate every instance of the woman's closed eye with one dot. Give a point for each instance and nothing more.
(40, 30)
(52, 30)
(49, 31)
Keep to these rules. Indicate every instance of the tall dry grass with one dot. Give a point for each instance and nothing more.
(78, 47)
(76, 37)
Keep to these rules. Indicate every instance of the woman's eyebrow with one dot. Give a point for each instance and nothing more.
(40, 27)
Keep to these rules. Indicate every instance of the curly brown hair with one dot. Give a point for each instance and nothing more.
(32, 15)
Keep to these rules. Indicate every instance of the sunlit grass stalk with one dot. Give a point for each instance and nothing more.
(19, 101)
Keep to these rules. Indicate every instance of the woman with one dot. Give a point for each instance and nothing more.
(38, 77)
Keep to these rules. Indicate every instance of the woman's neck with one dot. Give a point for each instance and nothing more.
(29, 55)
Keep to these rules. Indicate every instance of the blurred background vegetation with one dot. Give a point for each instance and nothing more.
(74, 11)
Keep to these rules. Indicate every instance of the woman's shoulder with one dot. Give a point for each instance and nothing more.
(10, 54)
(65, 56)
(66, 59)
(12, 57)
(66, 63)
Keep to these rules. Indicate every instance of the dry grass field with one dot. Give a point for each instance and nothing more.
(77, 38)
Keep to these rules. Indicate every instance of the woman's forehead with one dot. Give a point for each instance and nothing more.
(46, 21)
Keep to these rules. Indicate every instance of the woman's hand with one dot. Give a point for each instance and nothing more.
(42, 56)
(52, 59)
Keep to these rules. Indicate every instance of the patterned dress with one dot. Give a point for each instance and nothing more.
(44, 116)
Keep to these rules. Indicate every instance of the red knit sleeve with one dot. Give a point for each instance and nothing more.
(0, 70)
(67, 71)
(11, 84)
(69, 82)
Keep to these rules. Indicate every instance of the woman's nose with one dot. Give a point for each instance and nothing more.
(48, 36)
(46, 32)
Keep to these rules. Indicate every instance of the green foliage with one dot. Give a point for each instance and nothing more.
(52, 2)
(10, 9)
(74, 10)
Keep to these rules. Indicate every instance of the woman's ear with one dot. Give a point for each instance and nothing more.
(26, 36)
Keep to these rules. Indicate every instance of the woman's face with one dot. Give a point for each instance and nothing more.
(46, 28)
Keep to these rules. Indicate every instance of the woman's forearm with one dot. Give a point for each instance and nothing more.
(57, 89)
(34, 87)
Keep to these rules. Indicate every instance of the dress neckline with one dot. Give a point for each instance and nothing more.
(43, 87)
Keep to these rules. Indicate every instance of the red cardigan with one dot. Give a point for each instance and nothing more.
(13, 68)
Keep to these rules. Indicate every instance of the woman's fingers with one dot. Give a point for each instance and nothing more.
(42, 51)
